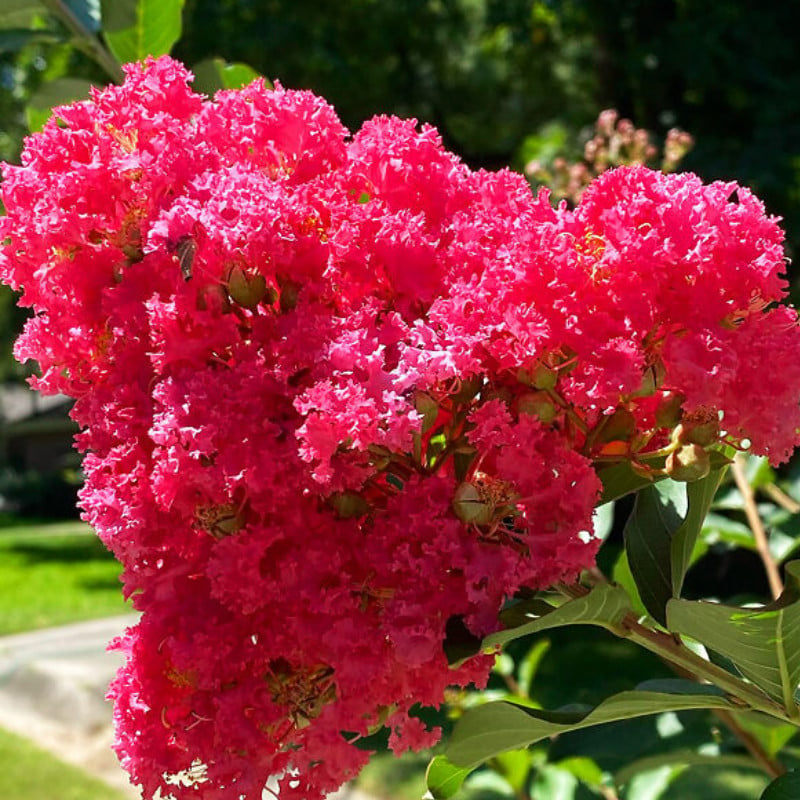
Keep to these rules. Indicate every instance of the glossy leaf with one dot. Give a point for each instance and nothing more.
(657, 515)
(661, 534)
(135, 29)
(487, 730)
(763, 643)
(700, 496)
(786, 787)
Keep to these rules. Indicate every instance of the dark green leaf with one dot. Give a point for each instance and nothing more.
(657, 515)
(763, 643)
(661, 534)
(700, 497)
(443, 778)
(787, 787)
(135, 29)
(487, 730)
(214, 74)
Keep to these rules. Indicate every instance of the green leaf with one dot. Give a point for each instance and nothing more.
(554, 783)
(621, 575)
(54, 93)
(619, 480)
(700, 497)
(530, 665)
(787, 787)
(661, 534)
(515, 767)
(584, 769)
(605, 605)
(763, 643)
(213, 74)
(657, 515)
(443, 778)
(135, 29)
(603, 521)
(488, 730)
(770, 732)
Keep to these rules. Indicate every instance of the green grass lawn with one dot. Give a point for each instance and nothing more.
(53, 574)
(28, 773)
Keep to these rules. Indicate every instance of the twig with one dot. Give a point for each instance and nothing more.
(86, 39)
(772, 767)
(778, 496)
(757, 527)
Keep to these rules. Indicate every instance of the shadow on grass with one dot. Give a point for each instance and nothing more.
(60, 549)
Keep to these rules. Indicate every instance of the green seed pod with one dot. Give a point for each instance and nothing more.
(690, 463)
(245, 289)
(470, 507)
(703, 433)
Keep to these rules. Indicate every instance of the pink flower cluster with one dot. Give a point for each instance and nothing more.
(340, 394)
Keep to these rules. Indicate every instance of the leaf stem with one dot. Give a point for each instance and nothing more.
(757, 527)
(674, 652)
(86, 39)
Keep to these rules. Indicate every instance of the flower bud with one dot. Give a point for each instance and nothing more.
(690, 463)
(702, 432)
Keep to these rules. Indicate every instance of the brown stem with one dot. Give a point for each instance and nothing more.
(779, 497)
(772, 767)
(757, 526)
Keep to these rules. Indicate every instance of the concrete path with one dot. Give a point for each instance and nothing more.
(52, 688)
